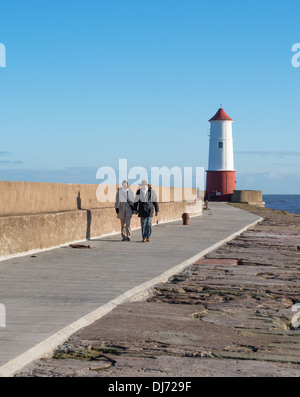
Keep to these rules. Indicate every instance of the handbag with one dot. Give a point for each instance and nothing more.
(131, 205)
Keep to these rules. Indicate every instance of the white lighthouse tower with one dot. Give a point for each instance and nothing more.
(220, 177)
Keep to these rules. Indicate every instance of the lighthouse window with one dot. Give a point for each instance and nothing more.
(220, 145)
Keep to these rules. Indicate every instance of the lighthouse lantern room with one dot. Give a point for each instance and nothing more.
(220, 176)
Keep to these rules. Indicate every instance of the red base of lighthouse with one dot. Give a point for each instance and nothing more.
(220, 185)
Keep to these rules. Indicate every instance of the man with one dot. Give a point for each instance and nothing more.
(144, 204)
(124, 206)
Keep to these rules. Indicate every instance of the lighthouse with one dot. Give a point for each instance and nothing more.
(220, 175)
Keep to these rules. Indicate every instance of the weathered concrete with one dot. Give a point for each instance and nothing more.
(252, 197)
(19, 198)
(46, 293)
(24, 234)
(41, 216)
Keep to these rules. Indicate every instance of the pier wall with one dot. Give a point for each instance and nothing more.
(252, 197)
(40, 216)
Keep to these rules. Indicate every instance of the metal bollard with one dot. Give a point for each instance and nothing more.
(185, 218)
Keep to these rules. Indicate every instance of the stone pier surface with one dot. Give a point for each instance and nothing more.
(50, 295)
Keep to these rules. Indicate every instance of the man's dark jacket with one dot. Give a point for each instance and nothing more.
(145, 208)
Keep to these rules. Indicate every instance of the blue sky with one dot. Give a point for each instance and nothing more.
(89, 82)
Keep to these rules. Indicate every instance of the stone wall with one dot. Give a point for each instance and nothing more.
(34, 197)
(40, 216)
(252, 197)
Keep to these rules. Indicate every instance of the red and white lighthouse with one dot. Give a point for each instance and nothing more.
(220, 177)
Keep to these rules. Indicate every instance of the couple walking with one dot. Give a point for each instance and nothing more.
(144, 204)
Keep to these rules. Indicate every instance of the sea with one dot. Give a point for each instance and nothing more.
(283, 202)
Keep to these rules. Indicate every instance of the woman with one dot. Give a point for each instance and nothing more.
(124, 207)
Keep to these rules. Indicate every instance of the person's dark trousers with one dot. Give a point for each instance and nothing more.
(146, 224)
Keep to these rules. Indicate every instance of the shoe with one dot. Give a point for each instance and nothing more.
(128, 239)
(124, 239)
(144, 240)
(148, 239)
